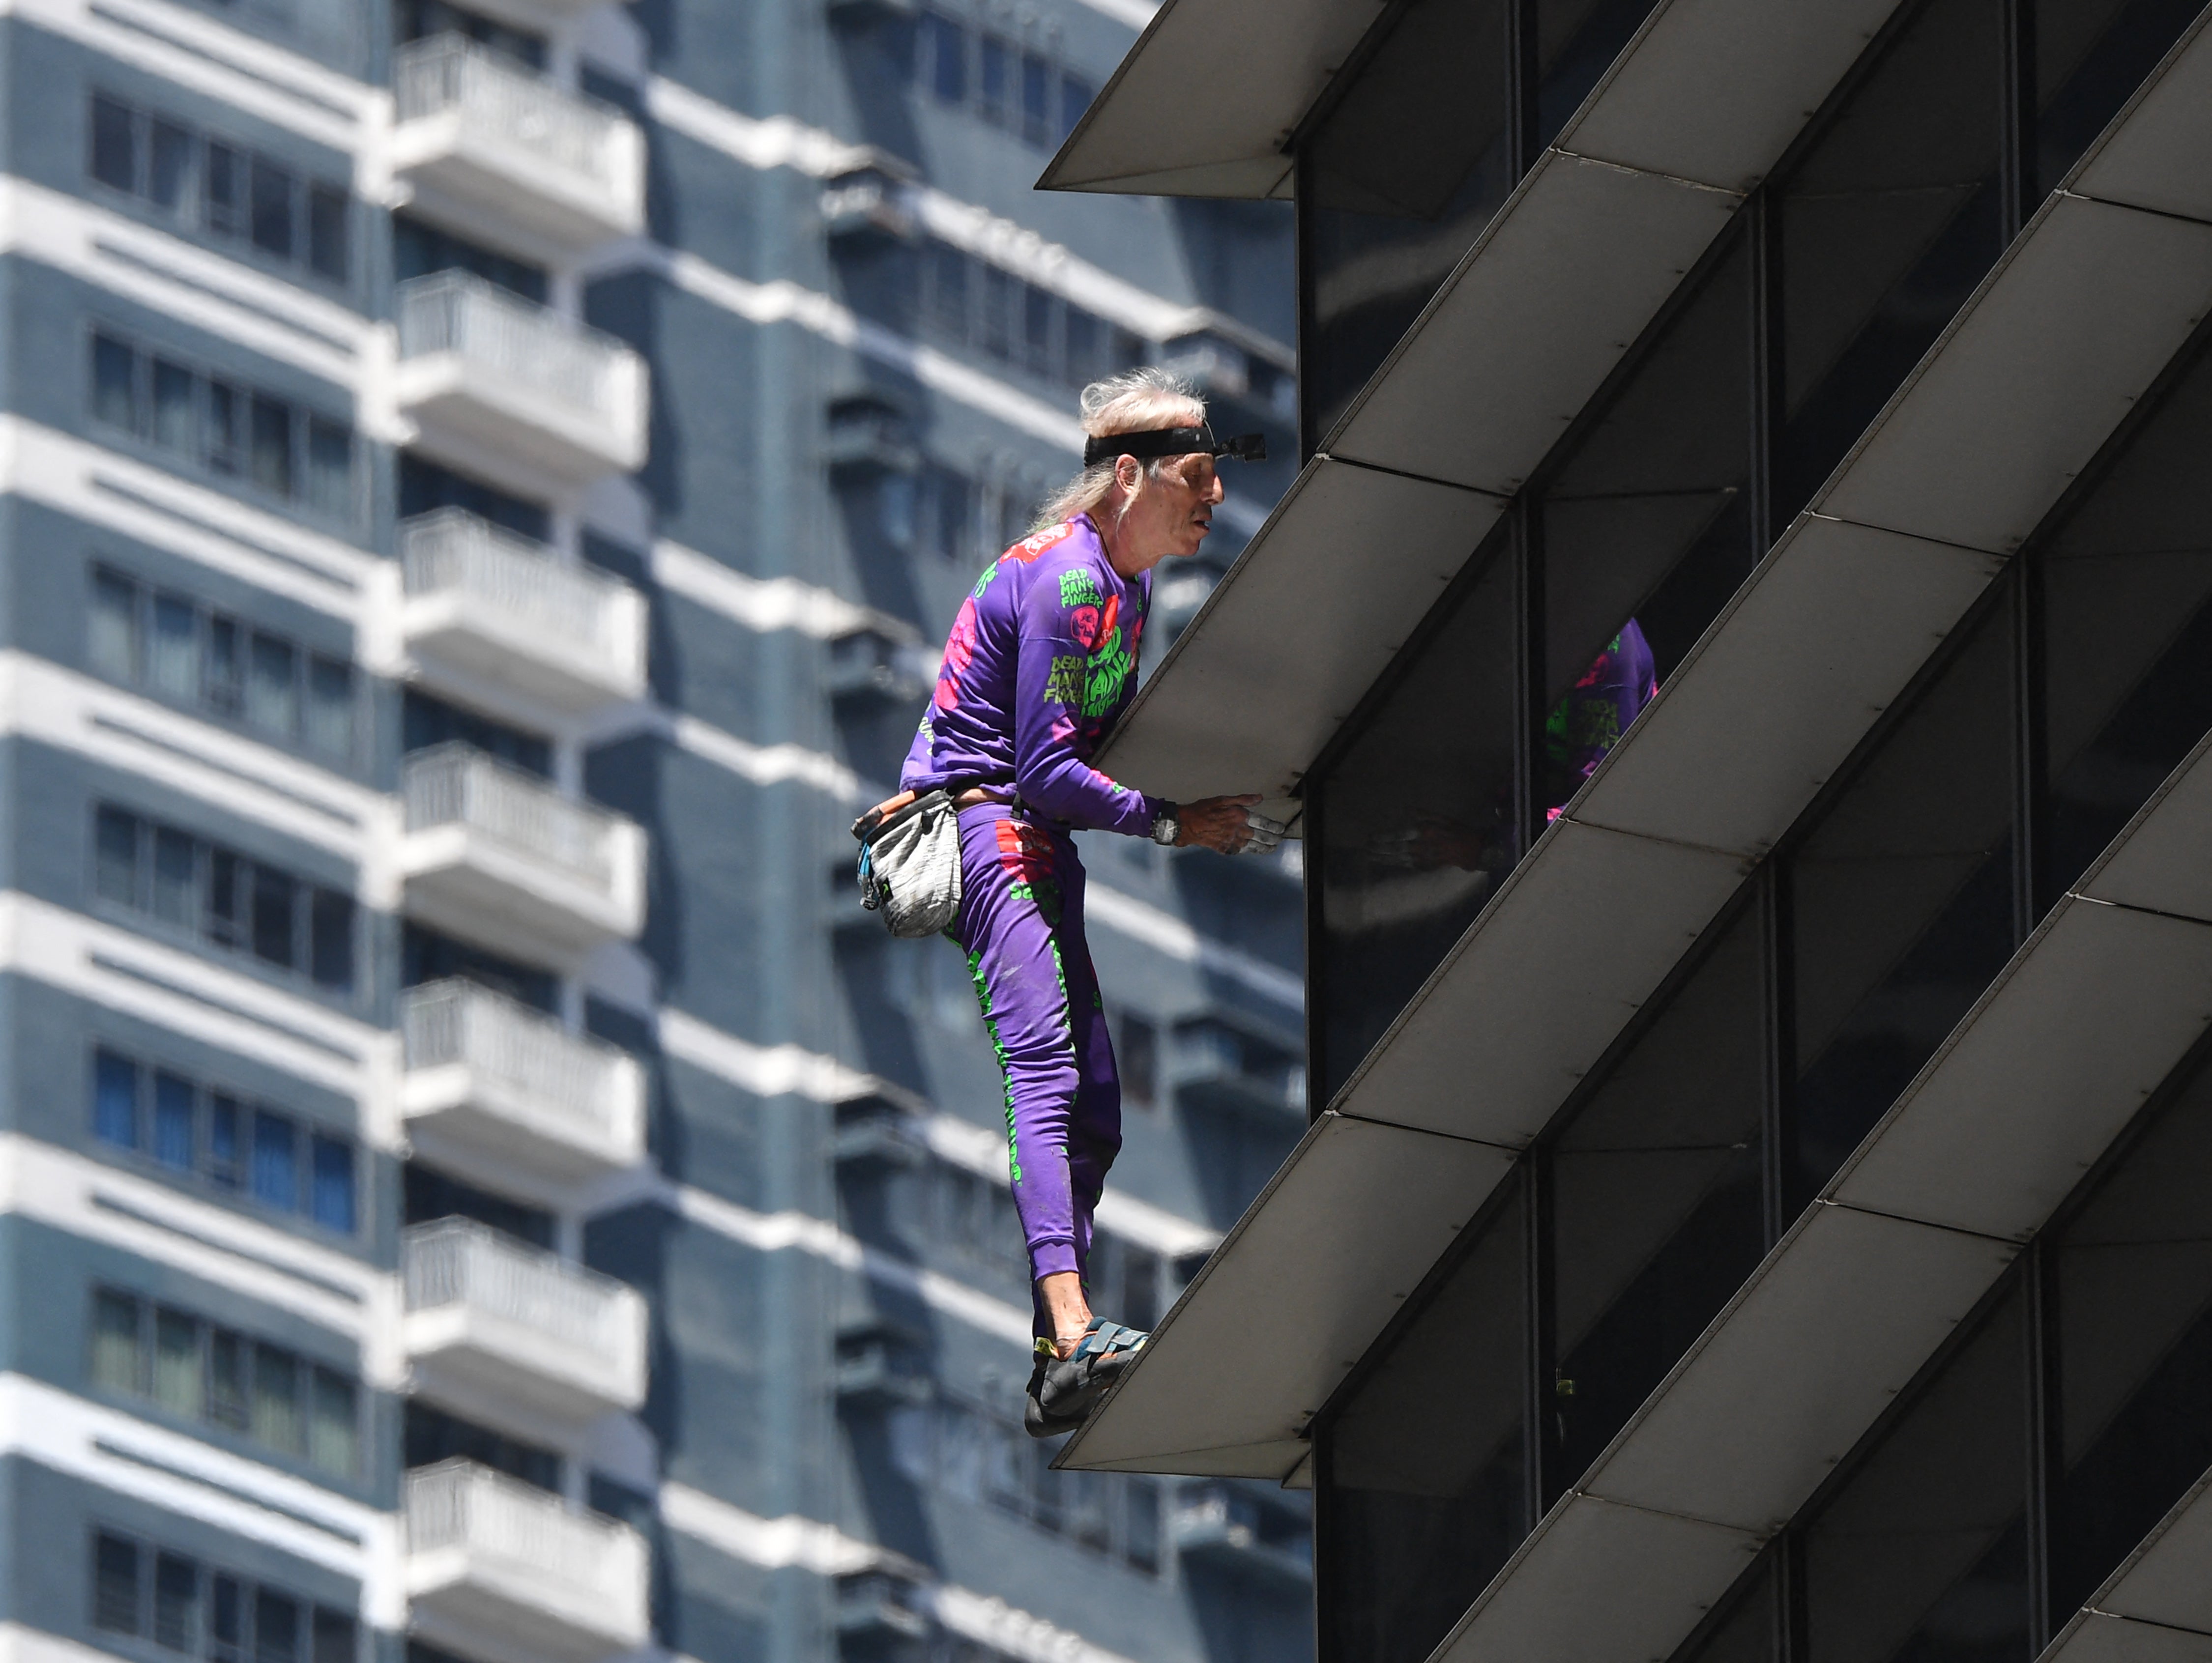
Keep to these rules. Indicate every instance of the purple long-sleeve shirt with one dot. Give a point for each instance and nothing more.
(1042, 659)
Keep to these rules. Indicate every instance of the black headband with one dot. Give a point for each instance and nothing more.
(1175, 441)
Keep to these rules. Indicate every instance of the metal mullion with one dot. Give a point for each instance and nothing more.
(2016, 148)
(1767, 391)
(1301, 280)
(1777, 1139)
(1313, 830)
(2031, 770)
(1525, 78)
(2044, 1457)
(1528, 685)
(1543, 1440)
(1792, 1630)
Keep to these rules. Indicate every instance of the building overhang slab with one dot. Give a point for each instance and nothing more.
(1265, 1331)
(2157, 1606)
(1539, 312)
(1728, 774)
(1202, 105)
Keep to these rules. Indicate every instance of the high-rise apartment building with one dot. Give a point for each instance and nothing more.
(1757, 1203)
(484, 487)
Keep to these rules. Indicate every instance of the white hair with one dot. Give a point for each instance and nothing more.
(1135, 401)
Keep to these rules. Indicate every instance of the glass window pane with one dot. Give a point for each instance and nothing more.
(330, 944)
(115, 858)
(947, 47)
(1576, 41)
(272, 208)
(270, 464)
(173, 392)
(2134, 1277)
(276, 1162)
(1142, 1538)
(114, 143)
(118, 1348)
(1416, 823)
(277, 1420)
(2090, 56)
(1887, 226)
(327, 237)
(272, 685)
(995, 319)
(335, 1641)
(170, 183)
(329, 708)
(179, 1373)
(1395, 184)
(115, 1099)
(330, 468)
(226, 428)
(176, 1603)
(1646, 528)
(1040, 312)
(1085, 341)
(2127, 611)
(173, 659)
(1422, 1469)
(227, 1386)
(1075, 96)
(114, 1583)
(332, 1203)
(1901, 901)
(226, 892)
(176, 877)
(1656, 1216)
(276, 1628)
(1922, 1553)
(947, 279)
(1746, 1630)
(113, 644)
(997, 80)
(225, 687)
(1036, 98)
(114, 383)
(333, 1426)
(226, 1620)
(224, 1116)
(173, 1121)
(225, 201)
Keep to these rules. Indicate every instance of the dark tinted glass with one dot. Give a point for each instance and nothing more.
(1901, 901)
(114, 1584)
(1921, 1556)
(1576, 41)
(431, 1194)
(2134, 1280)
(1655, 1212)
(419, 249)
(427, 720)
(1648, 518)
(1423, 1467)
(2127, 606)
(1394, 184)
(2090, 56)
(1417, 822)
(173, 1100)
(272, 213)
(1886, 227)
(115, 144)
(1747, 1626)
(330, 939)
(433, 1435)
(176, 1602)
(425, 487)
(115, 1099)
(426, 955)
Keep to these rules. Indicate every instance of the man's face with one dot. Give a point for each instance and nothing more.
(1175, 505)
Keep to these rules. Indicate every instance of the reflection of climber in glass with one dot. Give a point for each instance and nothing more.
(1581, 729)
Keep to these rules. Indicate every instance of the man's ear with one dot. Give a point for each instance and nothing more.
(1126, 472)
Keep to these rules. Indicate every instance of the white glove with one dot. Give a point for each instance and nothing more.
(1266, 832)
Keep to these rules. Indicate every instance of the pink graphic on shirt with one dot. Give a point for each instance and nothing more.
(960, 651)
(1083, 624)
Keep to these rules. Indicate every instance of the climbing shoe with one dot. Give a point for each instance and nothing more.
(1063, 1390)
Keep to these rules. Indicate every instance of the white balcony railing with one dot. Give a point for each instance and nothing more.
(495, 855)
(497, 1079)
(491, 604)
(512, 389)
(488, 1555)
(508, 1320)
(501, 152)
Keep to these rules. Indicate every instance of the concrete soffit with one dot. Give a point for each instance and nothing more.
(2157, 1607)
(2077, 320)
(1558, 288)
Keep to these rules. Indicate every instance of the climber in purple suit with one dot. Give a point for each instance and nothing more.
(1041, 661)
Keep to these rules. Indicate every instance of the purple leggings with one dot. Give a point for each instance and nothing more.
(1021, 925)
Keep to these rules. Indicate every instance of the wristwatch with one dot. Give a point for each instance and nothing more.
(1167, 826)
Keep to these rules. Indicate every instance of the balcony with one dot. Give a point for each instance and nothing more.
(516, 1322)
(1214, 1065)
(495, 855)
(493, 606)
(500, 154)
(509, 390)
(493, 1077)
(489, 1556)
